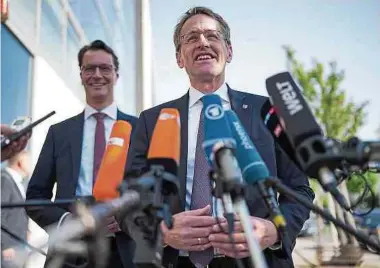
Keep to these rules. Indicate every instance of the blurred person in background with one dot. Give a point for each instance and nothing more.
(15, 220)
(73, 149)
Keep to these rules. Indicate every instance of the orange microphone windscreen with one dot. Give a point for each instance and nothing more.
(164, 147)
(111, 170)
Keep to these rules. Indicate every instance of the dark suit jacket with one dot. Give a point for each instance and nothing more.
(247, 107)
(15, 220)
(59, 162)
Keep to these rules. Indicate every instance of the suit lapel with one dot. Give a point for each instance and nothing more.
(120, 115)
(76, 140)
(242, 108)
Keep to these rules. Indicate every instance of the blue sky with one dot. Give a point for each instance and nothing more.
(346, 31)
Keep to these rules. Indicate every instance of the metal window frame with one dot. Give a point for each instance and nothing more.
(104, 19)
(144, 56)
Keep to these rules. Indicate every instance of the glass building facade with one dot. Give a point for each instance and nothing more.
(16, 63)
(55, 30)
(40, 41)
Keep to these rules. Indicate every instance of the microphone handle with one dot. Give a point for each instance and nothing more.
(227, 203)
(91, 219)
(270, 200)
(283, 189)
(328, 182)
(257, 256)
(48, 203)
(230, 173)
(17, 135)
(277, 218)
(374, 150)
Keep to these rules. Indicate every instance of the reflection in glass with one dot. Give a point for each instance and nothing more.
(120, 38)
(15, 77)
(51, 40)
(124, 45)
(73, 47)
(88, 16)
(22, 15)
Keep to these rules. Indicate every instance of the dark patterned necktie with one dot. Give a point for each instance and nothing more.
(99, 143)
(201, 193)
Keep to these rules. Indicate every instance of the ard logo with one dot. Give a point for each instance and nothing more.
(214, 112)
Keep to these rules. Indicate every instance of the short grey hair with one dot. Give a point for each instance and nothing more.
(225, 29)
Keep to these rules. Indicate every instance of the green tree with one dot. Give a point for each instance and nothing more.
(339, 117)
(356, 184)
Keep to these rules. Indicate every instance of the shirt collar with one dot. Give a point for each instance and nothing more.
(15, 175)
(110, 111)
(195, 95)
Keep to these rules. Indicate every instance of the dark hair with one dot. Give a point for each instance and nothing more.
(225, 29)
(98, 45)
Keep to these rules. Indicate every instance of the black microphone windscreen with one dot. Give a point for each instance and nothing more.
(292, 108)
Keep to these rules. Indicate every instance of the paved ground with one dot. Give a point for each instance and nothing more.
(304, 254)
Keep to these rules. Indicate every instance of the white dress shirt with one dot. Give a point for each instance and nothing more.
(85, 180)
(17, 178)
(195, 109)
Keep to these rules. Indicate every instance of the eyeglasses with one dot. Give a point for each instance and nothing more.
(210, 36)
(104, 69)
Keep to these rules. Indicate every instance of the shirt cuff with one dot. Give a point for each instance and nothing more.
(61, 220)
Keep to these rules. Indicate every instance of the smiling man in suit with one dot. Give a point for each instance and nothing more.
(203, 48)
(73, 149)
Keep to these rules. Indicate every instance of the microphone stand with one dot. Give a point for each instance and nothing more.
(48, 203)
(283, 189)
(319, 157)
(82, 200)
(236, 193)
(157, 188)
(144, 201)
(85, 234)
(230, 184)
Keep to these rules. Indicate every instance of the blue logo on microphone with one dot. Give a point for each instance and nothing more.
(214, 112)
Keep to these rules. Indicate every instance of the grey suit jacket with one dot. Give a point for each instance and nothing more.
(15, 220)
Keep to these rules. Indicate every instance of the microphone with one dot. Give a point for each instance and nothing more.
(6, 141)
(164, 149)
(111, 170)
(273, 124)
(316, 155)
(162, 160)
(292, 107)
(143, 200)
(358, 152)
(219, 145)
(89, 222)
(254, 170)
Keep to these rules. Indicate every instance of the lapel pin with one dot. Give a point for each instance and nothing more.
(245, 106)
